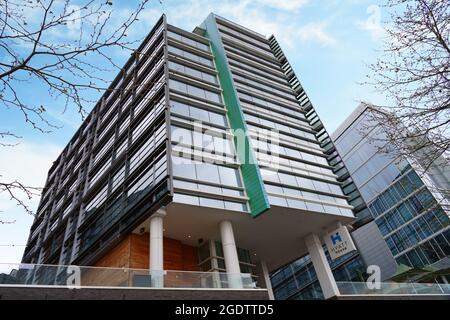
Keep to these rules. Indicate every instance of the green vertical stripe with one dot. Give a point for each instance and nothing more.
(251, 174)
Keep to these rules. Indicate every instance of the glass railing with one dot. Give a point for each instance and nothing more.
(393, 288)
(82, 276)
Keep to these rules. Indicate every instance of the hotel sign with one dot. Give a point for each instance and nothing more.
(339, 242)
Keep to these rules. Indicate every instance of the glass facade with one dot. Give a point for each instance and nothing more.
(205, 169)
(112, 169)
(298, 280)
(302, 178)
(412, 218)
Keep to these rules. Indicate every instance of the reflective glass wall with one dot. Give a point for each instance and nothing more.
(292, 163)
(412, 219)
(205, 168)
(114, 169)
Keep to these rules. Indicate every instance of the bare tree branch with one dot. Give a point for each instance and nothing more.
(413, 73)
(67, 49)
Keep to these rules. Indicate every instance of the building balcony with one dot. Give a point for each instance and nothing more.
(25, 280)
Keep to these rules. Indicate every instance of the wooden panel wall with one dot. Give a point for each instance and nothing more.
(133, 252)
(139, 255)
(117, 257)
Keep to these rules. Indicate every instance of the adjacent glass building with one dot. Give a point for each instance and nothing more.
(408, 207)
(203, 155)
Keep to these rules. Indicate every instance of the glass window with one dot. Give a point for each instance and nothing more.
(443, 243)
(292, 192)
(287, 179)
(179, 108)
(305, 183)
(193, 72)
(229, 176)
(426, 198)
(442, 216)
(214, 203)
(391, 244)
(212, 96)
(315, 207)
(429, 251)
(181, 135)
(230, 205)
(433, 221)
(177, 85)
(383, 226)
(184, 184)
(217, 118)
(184, 198)
(174, 35)
(277, 201)
(207, 172)
(416, 203)
(273, 189)
(223, 146)
(404, 212)
(199, 114)
(184, 168)
(196, 91)
(209, 77)
(297, 204)
(321, 186)
(190, 55)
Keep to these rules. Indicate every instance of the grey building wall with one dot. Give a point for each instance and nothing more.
(374, 250)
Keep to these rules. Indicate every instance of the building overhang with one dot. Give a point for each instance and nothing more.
(275, 237)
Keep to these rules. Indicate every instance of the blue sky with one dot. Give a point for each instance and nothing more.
(328, 43)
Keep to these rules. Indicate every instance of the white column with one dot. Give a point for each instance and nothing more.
(156, 248)
(230, 254)
(321, 266)
(266, 275)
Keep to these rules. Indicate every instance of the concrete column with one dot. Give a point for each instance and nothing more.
(156, 248)
(321, 266)
(230, 254)
(266, 277)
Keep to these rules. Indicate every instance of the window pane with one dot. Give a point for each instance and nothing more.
(214, 203)
(184, 198)
(207, 172)
(183, 168)
(229, 176)
(199, 114)
(179, 108)
(217, 118)
(181, 135)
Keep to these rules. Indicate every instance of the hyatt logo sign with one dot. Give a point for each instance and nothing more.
(339, 242)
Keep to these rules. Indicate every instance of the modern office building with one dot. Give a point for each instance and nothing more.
(298, 279)
(409, 204)
(200, 157)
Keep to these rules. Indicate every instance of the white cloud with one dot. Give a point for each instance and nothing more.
(258, 16)
(376, 31)
(284, 4)
(373, 23)
(27, 163)
(317, 32)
